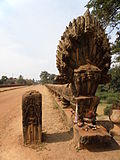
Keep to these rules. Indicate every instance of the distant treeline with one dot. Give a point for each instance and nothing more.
(9, 85)
(20, 81)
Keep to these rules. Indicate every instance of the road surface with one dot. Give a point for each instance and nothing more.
(58, 142)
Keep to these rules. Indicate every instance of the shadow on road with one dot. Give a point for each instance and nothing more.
(113, 145)
(57, 137)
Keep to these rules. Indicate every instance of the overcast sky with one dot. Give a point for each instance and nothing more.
(29, 34)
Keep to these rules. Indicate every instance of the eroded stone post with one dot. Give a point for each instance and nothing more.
(32, 117)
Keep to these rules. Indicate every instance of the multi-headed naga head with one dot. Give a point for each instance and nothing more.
(83, 55)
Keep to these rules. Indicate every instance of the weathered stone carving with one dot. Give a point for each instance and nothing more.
(83, 58)
(83, 42)
(32, 117)
(115, 118)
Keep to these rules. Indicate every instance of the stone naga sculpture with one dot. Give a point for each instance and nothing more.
(83, 60)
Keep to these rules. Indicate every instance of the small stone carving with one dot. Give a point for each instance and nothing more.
(115, 116)
(115, 131)
(32, 117)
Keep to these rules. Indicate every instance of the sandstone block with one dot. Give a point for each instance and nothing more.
(32, 117)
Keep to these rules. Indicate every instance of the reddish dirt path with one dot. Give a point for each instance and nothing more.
(58, 140)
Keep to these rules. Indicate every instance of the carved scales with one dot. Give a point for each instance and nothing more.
(83, 60)
(83, 42)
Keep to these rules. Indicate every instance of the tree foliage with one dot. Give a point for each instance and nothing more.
(116, 48)
(115, 81)
(21, 80)
(107, 11)
(16, 81)
(3, 79)
(46, 77)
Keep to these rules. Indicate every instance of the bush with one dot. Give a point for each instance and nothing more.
(102, 95)
(109, 97)
(107, 109)
(112, 100)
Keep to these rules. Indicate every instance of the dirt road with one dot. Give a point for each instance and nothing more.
(58, 140)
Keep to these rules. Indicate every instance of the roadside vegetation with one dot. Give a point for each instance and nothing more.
(109, 98)
(108, 13)
(5, 81)
(46, 77)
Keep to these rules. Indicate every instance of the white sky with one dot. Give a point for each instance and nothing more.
(29, 34)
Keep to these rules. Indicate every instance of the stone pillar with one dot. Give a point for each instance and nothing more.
(32, 117)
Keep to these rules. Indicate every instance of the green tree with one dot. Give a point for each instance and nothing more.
(116, 48)
(30, 81)
(115, 81)
(44, 77)
(51, 78)
(107, 11)
(0, 81)
(21, 80)
(11, 80)
(4, 79)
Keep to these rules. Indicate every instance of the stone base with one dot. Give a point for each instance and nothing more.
(87, 106)
(84, 137)
(115, 131)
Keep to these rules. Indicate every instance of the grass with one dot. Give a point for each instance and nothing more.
(55, 105)
(107, 99)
